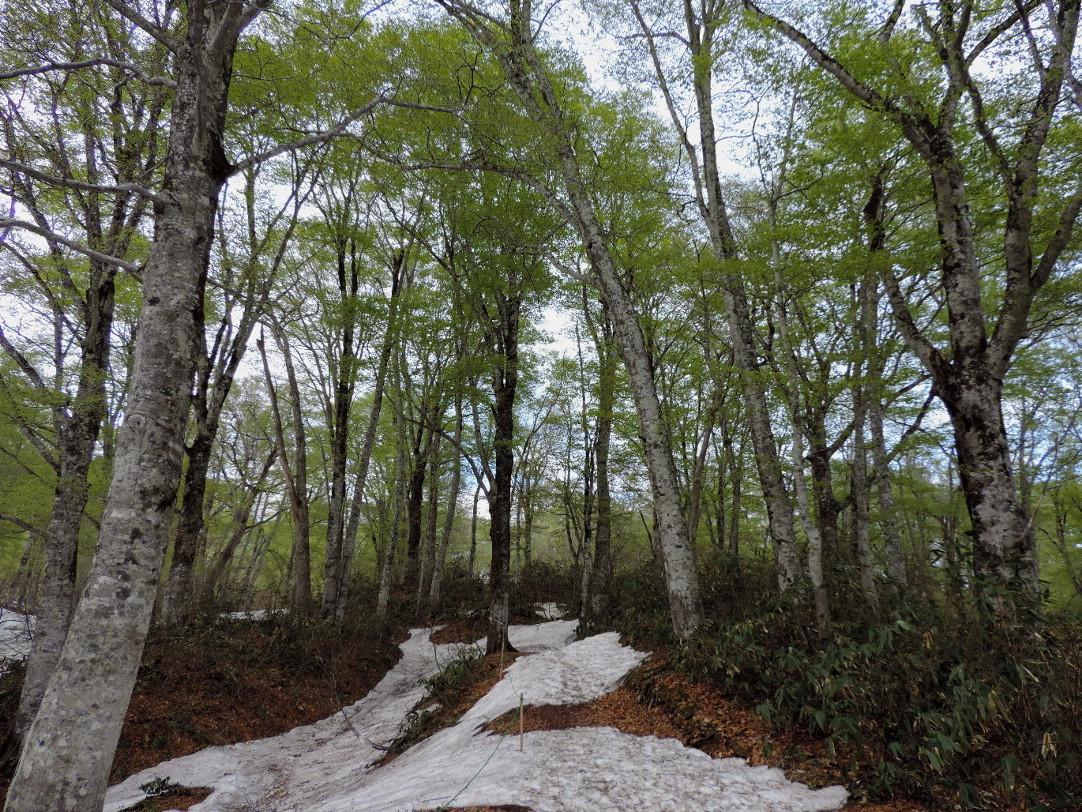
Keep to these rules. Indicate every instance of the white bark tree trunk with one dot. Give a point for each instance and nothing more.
(69, 747)
(512, 43)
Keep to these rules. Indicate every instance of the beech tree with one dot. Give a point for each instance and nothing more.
(511, 38)
(91, 684)
(245, 281)
(699, 52)
(922, 73)
(83, 197)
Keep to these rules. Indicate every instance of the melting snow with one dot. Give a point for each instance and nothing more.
(16, 635)
(328, 766)
(549, 611)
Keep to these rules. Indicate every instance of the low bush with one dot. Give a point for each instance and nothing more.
(954, 710)
(543, 582)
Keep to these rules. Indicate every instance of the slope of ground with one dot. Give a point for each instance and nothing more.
(227, 682)
(331, 766)
(250, 680)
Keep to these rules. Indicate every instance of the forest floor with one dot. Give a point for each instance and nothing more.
(225, 683)
(256, 681)
(657, 700)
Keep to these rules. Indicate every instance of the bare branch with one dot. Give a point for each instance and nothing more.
(125, 10)
(48, 67)
(999, 30)
(23, 363)
(56, 180)
(1059, 240)
(567, 270)
(980, 120)
(670, 103)
(29, 528)
(311, 140)
(868, 95)
(131, 267)
(927, 352)
(47, 290)
(914, 427)
(887, 31)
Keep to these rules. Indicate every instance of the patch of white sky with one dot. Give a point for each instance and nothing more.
(612, 66)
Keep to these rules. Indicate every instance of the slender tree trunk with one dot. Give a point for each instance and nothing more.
(295, 474)
(529, 79)
(69, 747)
(449, 515)
(737, 474)
(75, 450)
(861, 494)
(414, 504)
(241, 517)
(875, 364)
(713, 209)
(505, 386)
(811, 531)
(428, 541)
(827, 506)
(390, 340)
(472, 562)
(820, 591)
(177, 593)
(344, 385)
(386, 578)
(529, 511)
(595, 613)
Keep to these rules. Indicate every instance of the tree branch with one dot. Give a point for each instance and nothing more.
(310, 140)
(8, 222)
(887, 31)
(929, 355)
(999, 30)
(48, 67)
(56, 180)
(22, 362)
(125, 10)
(824, 60)
(29, 528)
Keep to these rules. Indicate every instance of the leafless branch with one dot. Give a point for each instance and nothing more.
(125, 10)
(887, 31)
(29, 528)
(48, 67)
(313, 139)
(56, 180)
(131, 267)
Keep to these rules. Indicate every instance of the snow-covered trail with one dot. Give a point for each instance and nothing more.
(327, 767)
(303, 767)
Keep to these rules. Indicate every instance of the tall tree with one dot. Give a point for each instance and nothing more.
(701, 22)
(81, 155)
(245, 281)
(69, 746)
(924, 80)
(512, 39)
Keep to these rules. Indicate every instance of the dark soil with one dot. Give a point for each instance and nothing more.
(222, 683)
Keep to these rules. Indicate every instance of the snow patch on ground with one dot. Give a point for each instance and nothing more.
(328, 766)
(581, 671)
(16, 636)
(549, 611)
(253, 614)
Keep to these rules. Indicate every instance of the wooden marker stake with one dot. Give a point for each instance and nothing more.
(521, 721)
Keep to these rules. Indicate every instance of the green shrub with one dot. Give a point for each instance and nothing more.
(950, 710)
